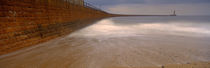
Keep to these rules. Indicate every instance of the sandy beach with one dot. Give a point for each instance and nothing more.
(108, 44)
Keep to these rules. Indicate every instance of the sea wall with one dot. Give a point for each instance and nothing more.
(24, 23)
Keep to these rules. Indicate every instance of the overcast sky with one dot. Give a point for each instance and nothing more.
(183, 7)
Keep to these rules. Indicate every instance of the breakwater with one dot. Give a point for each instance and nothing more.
(24, 23)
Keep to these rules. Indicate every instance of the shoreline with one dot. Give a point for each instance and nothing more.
(187, 65)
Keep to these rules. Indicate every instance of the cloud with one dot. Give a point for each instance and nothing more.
(176, 1)
(182, 9)
(114, 2)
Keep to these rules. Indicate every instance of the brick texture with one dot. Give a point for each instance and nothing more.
(24, 23)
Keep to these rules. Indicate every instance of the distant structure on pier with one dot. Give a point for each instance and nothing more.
(174, 13)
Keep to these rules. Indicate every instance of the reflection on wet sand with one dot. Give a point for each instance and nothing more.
(120, 42)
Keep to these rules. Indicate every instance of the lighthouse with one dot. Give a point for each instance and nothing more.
(174, 13)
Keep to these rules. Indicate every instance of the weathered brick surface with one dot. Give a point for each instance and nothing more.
(25, 23)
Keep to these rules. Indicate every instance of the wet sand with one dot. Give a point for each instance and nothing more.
(109, 45)
(94, 53)
(189, 65)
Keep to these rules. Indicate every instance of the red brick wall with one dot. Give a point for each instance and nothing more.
(25, 23)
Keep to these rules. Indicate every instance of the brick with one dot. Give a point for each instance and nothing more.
(25, 23)
(3, 36)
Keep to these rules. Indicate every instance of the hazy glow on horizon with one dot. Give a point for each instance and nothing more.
(108, 28)
(183, 7)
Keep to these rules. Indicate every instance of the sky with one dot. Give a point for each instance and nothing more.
(182, 7)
